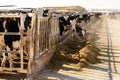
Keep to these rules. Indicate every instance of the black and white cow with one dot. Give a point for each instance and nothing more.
(12, 25)
(72, 19)
(45, 13)
(64, 24)
(61, 25)
(97, 15)
(85, 17)
(69, 21)
(79, 28)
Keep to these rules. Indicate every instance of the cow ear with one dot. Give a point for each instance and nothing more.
(14, 19)
(61, 21)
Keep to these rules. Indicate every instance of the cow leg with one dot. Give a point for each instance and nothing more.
(10, 60)
(10, 56)
(83, 33)
(4, 60)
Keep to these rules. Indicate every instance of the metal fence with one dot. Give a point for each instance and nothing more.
(46, 36)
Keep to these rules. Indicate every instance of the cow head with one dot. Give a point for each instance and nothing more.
(27, 23)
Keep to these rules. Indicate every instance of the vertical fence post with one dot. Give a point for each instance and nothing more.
(21, 35)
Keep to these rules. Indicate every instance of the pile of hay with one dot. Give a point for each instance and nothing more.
(88, 55)
(74, 51)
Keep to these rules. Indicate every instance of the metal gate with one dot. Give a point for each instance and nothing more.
(46, 36)
(20, 64)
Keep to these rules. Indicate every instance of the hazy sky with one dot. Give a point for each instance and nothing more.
(102, 4)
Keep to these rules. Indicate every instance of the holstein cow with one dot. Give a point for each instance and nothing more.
(12, 25)
(45, 13)
(61, 25)
(72, 20)
(85, 17)
(64, 24)
(79, 30)
(97, 15)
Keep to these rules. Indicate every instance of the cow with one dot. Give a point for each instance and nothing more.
(12, 25)
(61, 25)
(72, 20)
(97, 15)
(85, 17)
(27, 22)
(80, 31)
(64, 24)
(45, 13)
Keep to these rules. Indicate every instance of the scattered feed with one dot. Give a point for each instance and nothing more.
(74, 51)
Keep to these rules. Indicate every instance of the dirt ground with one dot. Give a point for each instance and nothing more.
(105, 33)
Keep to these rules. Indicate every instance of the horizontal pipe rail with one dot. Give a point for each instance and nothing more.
(12, 33)
(9, 16)
(4, 51)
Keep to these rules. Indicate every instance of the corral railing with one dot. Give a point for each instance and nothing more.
(46, 36)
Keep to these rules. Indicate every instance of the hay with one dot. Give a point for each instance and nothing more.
(74, 51)
(2, 44)
(89, 54)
